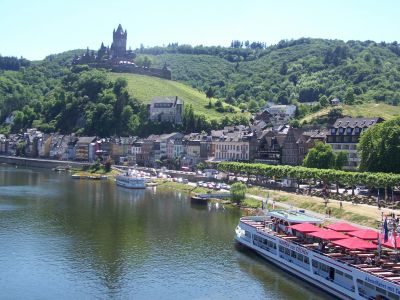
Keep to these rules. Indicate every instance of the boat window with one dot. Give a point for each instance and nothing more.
(314, 263)
(281, 249)
(306, 260)
(368, 285)
(359, 281)
(287, 251)
(324, 267)
(381, 291)
(293, 254)
(339, 272)
(393, 296)
(348, 276)
(300, 256)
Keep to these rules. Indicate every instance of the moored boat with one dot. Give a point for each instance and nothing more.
(342, 265)
(130, 180)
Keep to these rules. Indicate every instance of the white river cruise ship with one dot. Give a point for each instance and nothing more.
(131, 180)
(344, 262)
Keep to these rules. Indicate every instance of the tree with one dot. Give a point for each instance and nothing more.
(341, 160)
(334, 114)
(379, 147)
(321, 156)
(284, 68)
(323, 101)
(349, 96)
(144, 61)
(253, 106)
(201, 166)
(238, 192)
(210, 92)
(107, 165)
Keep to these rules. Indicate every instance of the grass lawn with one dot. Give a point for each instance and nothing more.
(369, 109)
(144, 88)
(362, 215)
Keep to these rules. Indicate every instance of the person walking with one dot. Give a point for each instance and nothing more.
(341, 204)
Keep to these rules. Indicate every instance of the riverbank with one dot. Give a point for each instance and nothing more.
(358, 214)
(248, 203)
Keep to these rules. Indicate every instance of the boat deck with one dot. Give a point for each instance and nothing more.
(386, 267)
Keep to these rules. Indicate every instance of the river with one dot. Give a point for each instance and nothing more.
(62, 238)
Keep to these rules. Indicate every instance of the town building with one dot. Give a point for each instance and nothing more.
(83, 150)
(335, 102)
(345, 134)
(166, 109)
(4, 142)
(234, 143)
(270, 144)
(297, 144)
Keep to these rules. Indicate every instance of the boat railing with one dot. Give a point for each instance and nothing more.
(262, 227)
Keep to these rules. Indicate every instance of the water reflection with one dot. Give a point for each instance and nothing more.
(65, 238)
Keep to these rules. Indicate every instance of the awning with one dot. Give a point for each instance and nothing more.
(342, 227)
(329, 235)
(390, 243)
(305, 227)
(355, 243)
(365, 234)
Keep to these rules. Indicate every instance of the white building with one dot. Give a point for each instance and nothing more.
(166, 109)
(345, 134)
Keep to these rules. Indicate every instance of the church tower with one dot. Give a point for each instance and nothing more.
(118, 47)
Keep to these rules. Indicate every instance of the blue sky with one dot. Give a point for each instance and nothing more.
(34, 29)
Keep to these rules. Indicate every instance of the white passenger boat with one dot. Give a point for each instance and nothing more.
(325, 258)
(130, 180)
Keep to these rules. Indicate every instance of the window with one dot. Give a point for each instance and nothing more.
(348, 276)
(393, 296)
(300, 256)
(306, 260)
(314, 263)
(339, 272)
(368, 285)
(381, 291)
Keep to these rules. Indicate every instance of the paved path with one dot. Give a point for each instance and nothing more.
(309, 212)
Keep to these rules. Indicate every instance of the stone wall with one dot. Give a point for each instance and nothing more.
(40, 163)
(161, 73)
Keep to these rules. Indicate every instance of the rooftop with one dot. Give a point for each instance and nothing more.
(294, 216)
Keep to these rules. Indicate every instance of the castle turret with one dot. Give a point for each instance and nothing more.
(118, 46)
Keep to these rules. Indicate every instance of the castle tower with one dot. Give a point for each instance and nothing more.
(118, 47)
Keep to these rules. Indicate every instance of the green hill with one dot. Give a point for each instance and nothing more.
(144, 88)
(292, 71)
(368, 110)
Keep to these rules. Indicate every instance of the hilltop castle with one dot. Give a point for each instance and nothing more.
(117, 59)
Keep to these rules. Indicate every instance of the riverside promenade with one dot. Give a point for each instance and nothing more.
(41, 163)
(364, 209)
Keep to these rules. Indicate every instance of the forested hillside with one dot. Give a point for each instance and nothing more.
(301, 70)
(52, 95)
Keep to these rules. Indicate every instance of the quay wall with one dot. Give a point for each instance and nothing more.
(40, 163)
